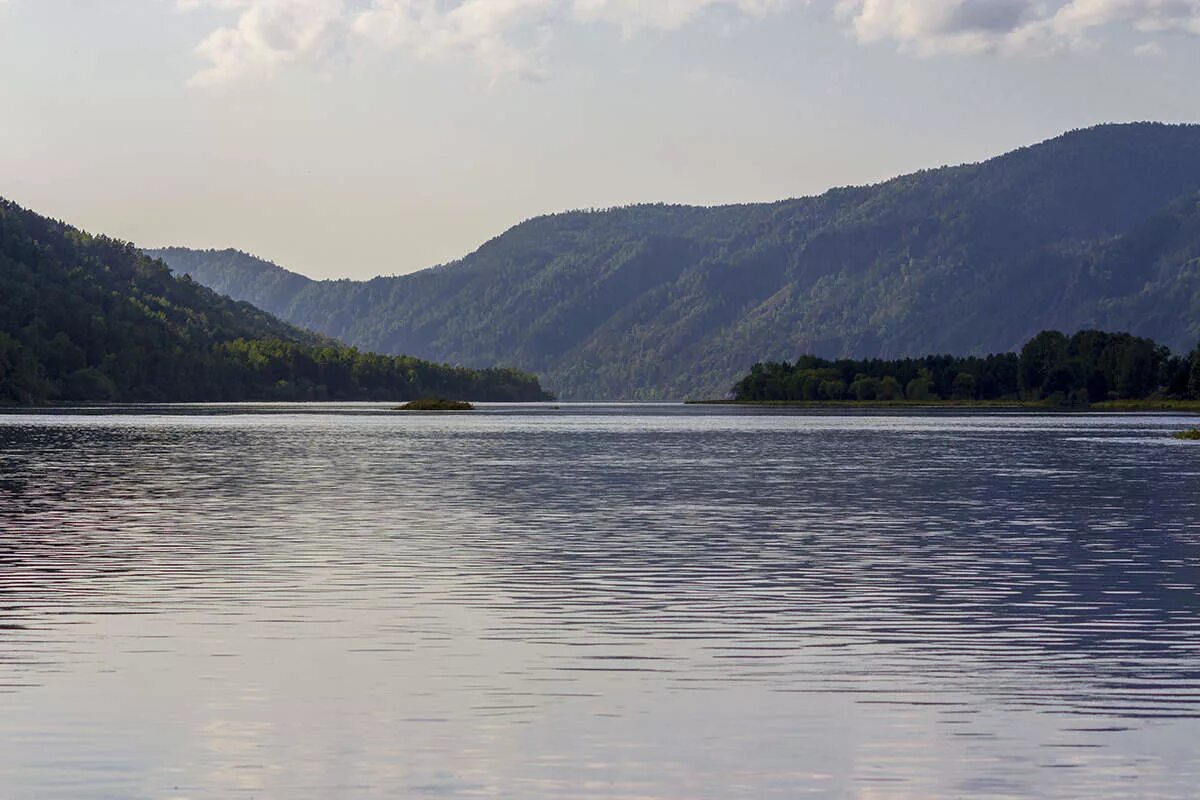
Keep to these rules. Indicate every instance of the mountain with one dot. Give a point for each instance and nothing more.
(1098, 228)
(90, 318)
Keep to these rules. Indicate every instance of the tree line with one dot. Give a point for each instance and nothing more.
(1052, 368)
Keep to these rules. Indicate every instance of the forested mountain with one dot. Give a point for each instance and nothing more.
(1099, 228)
(90, 318)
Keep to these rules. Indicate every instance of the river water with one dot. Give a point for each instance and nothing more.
(596, 602)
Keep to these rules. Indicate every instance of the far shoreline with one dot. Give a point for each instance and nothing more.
(1109, 406)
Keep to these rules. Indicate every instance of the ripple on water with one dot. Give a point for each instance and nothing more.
(596, 602)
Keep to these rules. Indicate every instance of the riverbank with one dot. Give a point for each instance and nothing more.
(1177, 406)
(1189, 406)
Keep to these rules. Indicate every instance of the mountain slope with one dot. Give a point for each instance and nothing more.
(1096, 228)
(91, 318)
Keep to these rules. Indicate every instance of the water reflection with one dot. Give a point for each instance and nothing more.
(596, 602)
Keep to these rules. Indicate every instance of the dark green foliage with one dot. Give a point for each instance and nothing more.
(921, 388)
(964, 387)
(920, 379)
(890, 389)
(1104, 365)
(436, 404)
(1193, 383)
(1192, 435)
(1095, 229)
(1040, 358)
(86, 318)
(1091, 366)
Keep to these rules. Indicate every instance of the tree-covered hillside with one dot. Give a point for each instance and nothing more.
(90, 318)
(1099, 228)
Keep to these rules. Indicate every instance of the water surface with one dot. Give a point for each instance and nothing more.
(596, 602)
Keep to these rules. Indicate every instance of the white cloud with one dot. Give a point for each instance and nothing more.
(633, 15)
(503, 36)
(927, 27)
(507, 38)
(267, 35)
(1148, 16)
(930, 27)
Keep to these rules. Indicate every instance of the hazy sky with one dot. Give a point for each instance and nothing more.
(359, 137)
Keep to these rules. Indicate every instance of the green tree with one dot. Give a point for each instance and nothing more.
(1194, 375)
(865, 387)
(1137, 370)
(833, 390)
(90, 384)
(964, 386)
(920, 388)
(1039, 357)
(890, 389)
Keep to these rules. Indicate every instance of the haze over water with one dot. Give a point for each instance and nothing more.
(596, 602)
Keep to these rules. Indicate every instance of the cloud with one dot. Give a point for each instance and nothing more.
(1147, 16)
(267, 35)
(503, 36)
(932, 27)
(927, 27)
(634, 15)
(509, 38)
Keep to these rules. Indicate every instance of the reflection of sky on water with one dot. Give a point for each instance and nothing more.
(600, 602)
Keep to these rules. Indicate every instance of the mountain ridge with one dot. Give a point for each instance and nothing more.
(1094, 228)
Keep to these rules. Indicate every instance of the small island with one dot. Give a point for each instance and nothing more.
(1189, 436)
(436, 404)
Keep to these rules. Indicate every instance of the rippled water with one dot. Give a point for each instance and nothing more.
(599, 602)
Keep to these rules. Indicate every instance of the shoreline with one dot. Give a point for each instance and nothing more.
(1106, 407)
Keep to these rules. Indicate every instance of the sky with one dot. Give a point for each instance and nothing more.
(351, 138)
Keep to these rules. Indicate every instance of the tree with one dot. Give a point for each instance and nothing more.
(964, 386)
(1137, 370)
(890, 389)
(833, 390)
(865, 387)
(1193, 388)
(1097, 385)
(1039, 357)
(90, 384)
(921, 387)
(1060, 380)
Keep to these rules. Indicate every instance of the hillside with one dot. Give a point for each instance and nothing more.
(90, 318)
(1098, 228)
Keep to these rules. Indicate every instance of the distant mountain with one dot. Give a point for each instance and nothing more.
(90, 318)
(1098, 228)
